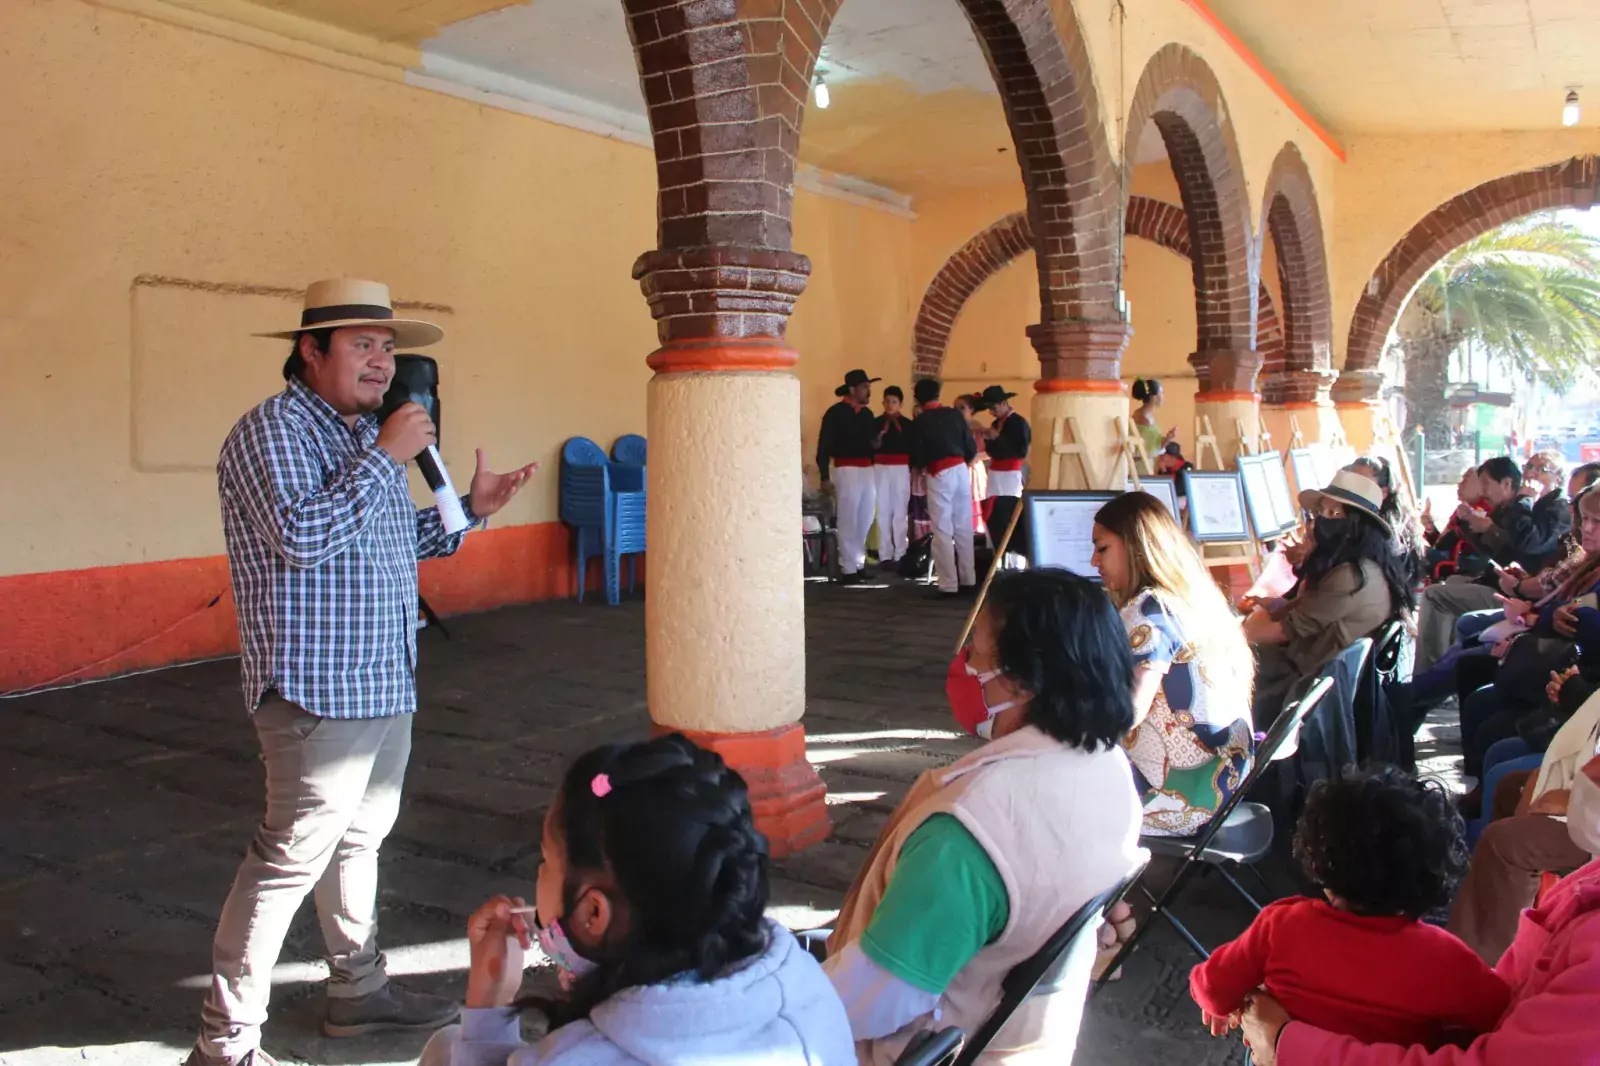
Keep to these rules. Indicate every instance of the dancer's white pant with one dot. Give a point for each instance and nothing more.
(894, 497)
(950, 509)
(856, 497)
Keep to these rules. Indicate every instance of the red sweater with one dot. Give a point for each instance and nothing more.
(1379, 980)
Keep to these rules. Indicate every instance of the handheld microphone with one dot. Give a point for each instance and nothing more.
(416, 380)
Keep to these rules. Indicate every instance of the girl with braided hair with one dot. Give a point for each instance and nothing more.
(650, 901)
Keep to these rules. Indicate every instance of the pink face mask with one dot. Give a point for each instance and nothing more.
(963, 687)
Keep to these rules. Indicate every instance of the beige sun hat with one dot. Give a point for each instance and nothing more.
(1352, 490)
(345, 303)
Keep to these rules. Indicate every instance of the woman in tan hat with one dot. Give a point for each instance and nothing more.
(1354, 580)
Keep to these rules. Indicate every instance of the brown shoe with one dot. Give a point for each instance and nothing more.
(391, 1008)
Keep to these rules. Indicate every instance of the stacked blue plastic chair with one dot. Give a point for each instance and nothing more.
(586, 500)
(628, 456)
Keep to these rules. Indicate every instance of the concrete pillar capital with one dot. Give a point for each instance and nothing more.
(722, 292)
(1082, 350)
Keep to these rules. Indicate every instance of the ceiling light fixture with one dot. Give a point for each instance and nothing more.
(823, 100)
(1569, 110)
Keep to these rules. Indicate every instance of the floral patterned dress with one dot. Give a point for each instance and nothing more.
(1192, 750)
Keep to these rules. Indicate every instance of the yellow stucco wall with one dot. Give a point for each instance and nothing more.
(1391, 183)
(153, 150)
(1120, 45)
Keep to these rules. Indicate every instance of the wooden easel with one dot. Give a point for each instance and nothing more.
(1204, 438)
(1266, 439)
(1387, 438)
(1296, 438)
(1133, 446)
(1246, 446)
(1248, 555)
(1068, 440)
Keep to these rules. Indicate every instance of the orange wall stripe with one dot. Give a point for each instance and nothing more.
(681, 357)
(76, 625)
(1200, 8)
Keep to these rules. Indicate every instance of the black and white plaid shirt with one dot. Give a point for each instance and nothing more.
(323, 542)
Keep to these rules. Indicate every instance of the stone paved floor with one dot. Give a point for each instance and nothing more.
(127, 806)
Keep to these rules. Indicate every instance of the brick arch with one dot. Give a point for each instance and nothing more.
(1572, 183)
(725, 84)
(1292, 220)
(1180, 94)
(991, 250)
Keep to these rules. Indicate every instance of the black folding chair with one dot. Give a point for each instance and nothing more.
(1238, 835)
(930, 1048)
(1045, 971)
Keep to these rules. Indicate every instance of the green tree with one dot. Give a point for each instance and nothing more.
(1528, 293)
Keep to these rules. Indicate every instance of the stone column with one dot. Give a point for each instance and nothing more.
(1301, 395)
(1228, 396)
(1356, 396)
(1080, 376)
(725, 609)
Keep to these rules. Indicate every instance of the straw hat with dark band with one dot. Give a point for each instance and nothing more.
(1351, 490)
(349, 303)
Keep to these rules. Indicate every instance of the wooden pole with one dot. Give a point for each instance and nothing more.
(994, 565)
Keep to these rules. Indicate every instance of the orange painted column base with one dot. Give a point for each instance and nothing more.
(789, 799)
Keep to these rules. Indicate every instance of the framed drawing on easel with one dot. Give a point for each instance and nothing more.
(1285, 504)
(1061, 526)
(1164, 489)
(1216, 506)
(1307, 469)
(1266, 494)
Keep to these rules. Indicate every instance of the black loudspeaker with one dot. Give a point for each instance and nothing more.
(416, 380)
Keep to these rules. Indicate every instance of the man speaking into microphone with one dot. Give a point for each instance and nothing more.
(323, 542)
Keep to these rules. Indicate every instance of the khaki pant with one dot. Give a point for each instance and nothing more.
(1442, 605)
(333, 791)
(1504, 877)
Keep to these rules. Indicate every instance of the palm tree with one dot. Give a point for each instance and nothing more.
(1528, 293)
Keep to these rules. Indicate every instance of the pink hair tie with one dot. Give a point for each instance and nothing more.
(601, 786)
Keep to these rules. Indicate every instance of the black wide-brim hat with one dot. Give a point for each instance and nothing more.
(852, 379)
(992, 395)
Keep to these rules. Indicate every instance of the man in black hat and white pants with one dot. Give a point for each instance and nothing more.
(848, 440)
(323, 542)
(942, 445)
(1009, 437)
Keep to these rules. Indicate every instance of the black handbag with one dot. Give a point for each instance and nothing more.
(1529, 661)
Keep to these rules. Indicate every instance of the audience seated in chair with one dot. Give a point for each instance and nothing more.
(987, 858)
(1384, 849)
(1552, 969)
(1504, 529)
(1516, 847)
(1191, 739)
(650, 901)
(1352, 582)
(1508, 689)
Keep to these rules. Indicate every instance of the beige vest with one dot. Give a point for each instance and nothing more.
(1061, 825)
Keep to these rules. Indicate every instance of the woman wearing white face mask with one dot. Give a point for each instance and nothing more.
(1553, 968)
(986, 858)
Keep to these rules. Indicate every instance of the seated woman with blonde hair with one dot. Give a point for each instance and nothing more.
(1190, 744)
